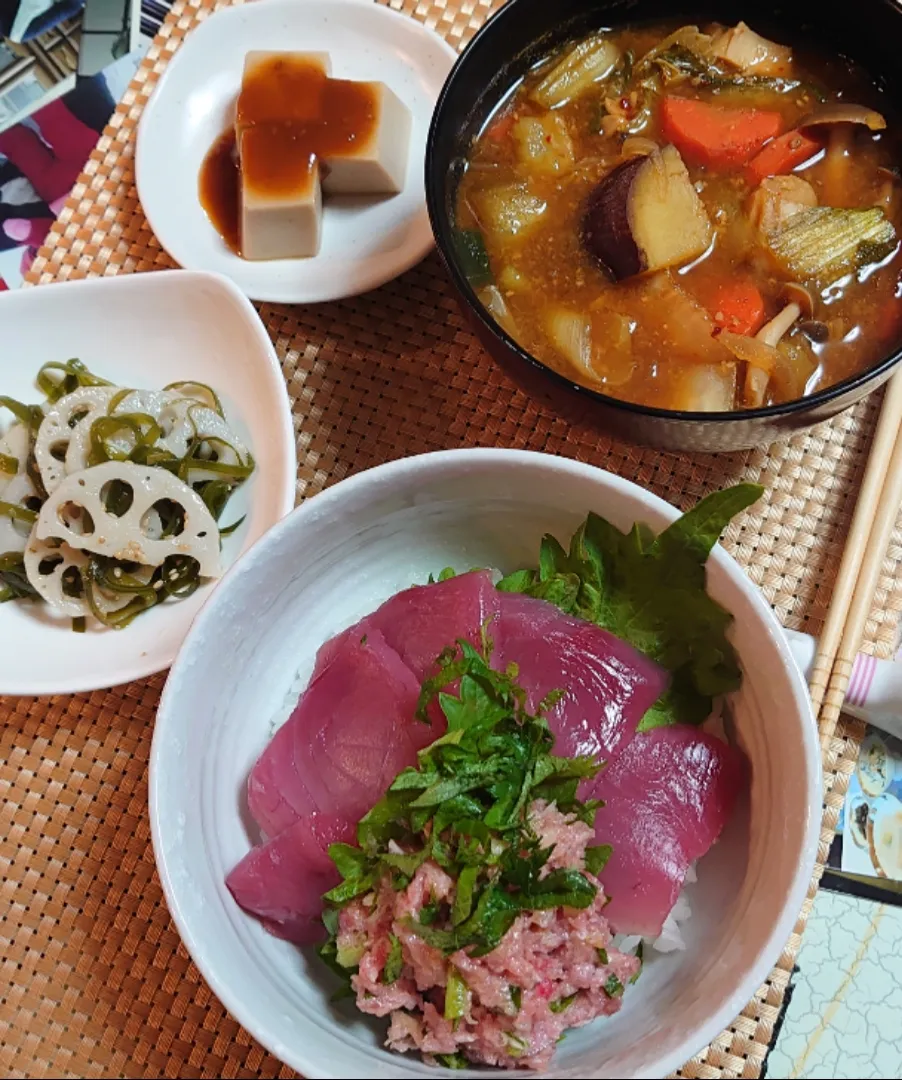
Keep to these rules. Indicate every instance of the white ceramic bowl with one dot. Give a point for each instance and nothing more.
(330, 562)
(366, 242)
(144, 330)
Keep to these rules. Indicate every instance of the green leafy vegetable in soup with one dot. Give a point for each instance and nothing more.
(648, 195)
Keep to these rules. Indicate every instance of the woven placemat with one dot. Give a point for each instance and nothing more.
(95, 982)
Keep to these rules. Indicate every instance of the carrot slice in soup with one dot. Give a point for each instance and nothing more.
(714, 135)
(782, 155)
(738, 306)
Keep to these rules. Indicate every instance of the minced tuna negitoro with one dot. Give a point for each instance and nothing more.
(554, 969)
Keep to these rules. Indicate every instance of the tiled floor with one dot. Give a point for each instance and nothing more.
(845, 1016)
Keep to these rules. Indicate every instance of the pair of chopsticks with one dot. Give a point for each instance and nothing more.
(876, 512)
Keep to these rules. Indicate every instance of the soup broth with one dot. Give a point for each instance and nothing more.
(689, 218)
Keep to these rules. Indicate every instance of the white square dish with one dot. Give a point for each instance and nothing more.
(144, 331)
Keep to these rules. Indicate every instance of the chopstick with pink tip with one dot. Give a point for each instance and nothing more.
(876, 510)
(874, 693)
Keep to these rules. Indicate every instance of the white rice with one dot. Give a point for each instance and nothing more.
(292, 695)
(671, 937)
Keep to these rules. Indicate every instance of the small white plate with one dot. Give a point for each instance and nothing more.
(365, 242)
(144, 330)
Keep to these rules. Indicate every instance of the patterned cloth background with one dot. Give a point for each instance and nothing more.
(42, 156)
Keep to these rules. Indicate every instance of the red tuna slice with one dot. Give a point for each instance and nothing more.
(424, 620)
(609, 685)
(352, 732)
(282, 881)
(667, 798)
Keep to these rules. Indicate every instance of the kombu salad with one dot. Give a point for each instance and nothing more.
(111, 497)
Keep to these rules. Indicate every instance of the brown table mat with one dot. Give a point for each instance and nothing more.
(95, 982)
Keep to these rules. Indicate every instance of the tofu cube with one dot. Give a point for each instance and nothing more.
(376, 164)
(282, 87)
(281, 207)
(301, 134)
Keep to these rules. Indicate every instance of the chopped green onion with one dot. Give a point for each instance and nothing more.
(613, 987)
(349, 955)
(516, 1046)
(563, 1003)
(516, 994)
(457, 996)
(328, 953)
(453, 1061)
(430, 913)
(603, 956)
(391, 972)
(463, 899)
(466, 806)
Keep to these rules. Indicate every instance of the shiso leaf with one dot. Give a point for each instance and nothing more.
(651, 591)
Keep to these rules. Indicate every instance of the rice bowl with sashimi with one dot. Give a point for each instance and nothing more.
(501, 795)
(482, 785)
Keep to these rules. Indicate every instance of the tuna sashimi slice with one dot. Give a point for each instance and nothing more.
(609, 685)
(667, 798)
(422, 621)
(282, 881)
(352, 732)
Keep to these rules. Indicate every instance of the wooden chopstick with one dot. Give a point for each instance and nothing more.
(879, 501)
(885, 518)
